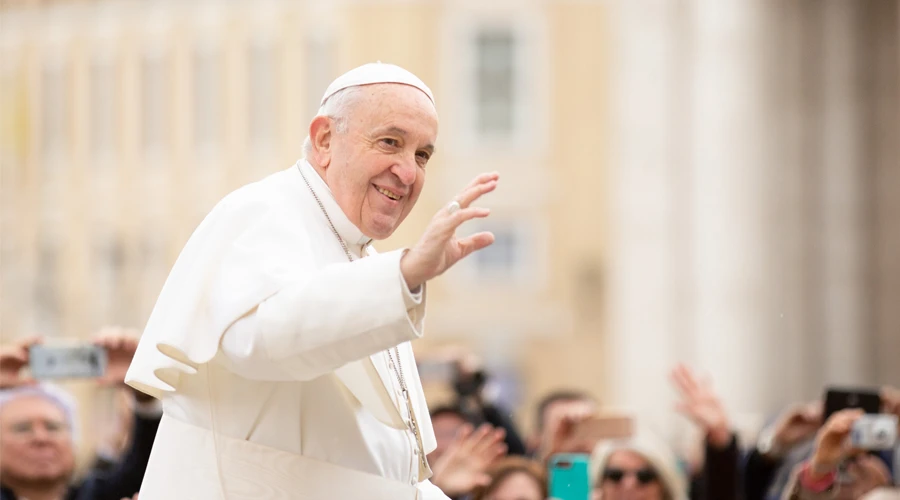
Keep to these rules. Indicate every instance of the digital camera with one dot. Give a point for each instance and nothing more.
(874, 432)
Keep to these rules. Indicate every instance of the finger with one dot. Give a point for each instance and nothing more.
(27, 342)
(475, 437)
(482, 178)
(496, 451)
(475, 243)
(463, 432)
(471, 194)
(679, 380)
(482, 439)
(451, 223)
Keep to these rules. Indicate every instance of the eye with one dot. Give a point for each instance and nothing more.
(390, 142)
(423, 157)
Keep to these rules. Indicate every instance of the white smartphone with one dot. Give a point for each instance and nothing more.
(874, 432)
(59, 362)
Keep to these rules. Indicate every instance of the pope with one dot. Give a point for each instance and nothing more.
(280, 343)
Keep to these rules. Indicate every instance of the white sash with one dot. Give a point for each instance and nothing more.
(183, 465)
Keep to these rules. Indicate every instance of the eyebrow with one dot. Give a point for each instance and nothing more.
(403, 133)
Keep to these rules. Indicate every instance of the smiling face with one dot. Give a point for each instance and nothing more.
(373, 158)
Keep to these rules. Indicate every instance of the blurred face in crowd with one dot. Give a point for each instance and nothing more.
(35, 442)
(863, 474)
(374, 156)
(628, 476)
(517, 486)
(446, 426)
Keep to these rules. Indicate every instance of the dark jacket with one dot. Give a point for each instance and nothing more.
(720, 478)
(121, 481)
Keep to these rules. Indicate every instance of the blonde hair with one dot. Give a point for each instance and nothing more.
(650, 448)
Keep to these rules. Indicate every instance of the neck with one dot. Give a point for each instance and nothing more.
(38, 491)
(319, 170)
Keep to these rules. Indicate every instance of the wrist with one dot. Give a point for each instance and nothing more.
(816, 481)
(820, 467)
(719, 437)
(413, 281)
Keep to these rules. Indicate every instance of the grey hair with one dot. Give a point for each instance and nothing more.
(56, 395)
(337, 107)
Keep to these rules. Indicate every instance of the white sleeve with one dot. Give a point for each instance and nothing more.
(345, 313)
(428, 491)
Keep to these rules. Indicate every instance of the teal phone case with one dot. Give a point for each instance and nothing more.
(569, 477)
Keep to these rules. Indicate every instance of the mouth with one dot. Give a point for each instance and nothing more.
(388, 193)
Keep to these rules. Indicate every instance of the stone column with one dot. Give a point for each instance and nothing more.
(644, 164)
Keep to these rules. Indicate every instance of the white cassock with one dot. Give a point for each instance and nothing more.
(268, 348)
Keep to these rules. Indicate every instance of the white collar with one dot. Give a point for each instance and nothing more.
(351, 234)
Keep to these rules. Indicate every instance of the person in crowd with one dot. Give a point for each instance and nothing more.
(38, 432)
(719, 479)
(447, 422)
(835, 470)
(514, 478)
(464, 464)
(637, 468)
(781, 445)
(469, 382)
(558, 414)
(281, 335)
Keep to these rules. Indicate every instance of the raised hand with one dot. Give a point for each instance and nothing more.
(120, 344)
(439, 249)
(13, 359)
(831, 442)
(561, 426)
(795, 426)
(463, 467)
(701, 405)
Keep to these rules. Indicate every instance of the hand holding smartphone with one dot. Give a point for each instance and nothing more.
(48, 362)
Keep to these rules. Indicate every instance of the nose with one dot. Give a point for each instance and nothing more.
(629, 483)
(406, 171)
(41, 435)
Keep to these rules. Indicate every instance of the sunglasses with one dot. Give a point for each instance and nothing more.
(644, 476)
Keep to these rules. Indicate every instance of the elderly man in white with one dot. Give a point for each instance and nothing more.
(280, 342)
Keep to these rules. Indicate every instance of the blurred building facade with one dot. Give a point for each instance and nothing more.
(696, 181)
(755, 200)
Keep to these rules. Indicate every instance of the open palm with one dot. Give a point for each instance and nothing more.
(700, 403)
(463, 467)
(439, 249)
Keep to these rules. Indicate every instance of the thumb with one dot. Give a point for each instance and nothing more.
(482, 479)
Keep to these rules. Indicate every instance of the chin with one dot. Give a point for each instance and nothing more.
(380, 231)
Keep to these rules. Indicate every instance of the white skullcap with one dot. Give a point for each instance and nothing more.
(372, 73)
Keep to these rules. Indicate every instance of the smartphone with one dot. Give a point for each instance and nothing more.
(602, 427)
(568, 474)
(874, 432)
(60, 362)
(837, 399)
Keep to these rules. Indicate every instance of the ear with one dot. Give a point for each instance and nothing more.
(321, 132)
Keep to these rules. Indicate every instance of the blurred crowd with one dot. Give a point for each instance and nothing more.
(481, 454)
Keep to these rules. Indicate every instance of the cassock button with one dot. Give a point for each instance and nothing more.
(416, 452)
(412, 482)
